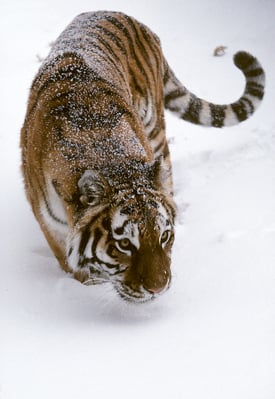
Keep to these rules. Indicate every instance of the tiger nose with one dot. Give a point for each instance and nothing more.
(155, 288)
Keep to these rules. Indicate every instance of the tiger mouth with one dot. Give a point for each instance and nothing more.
(135, 297)
(142, 296)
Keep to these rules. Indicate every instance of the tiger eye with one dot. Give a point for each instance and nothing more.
(124, 243)
(165, 236)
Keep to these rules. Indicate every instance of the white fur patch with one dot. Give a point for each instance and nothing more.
(55, 204)
(54, 215)
(130, 231)
(101, 253)
(205, 114)
(163, 219)
(73, 257)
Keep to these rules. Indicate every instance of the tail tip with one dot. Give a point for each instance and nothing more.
(243, 60)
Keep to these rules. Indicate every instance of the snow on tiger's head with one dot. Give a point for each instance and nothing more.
(125, 235)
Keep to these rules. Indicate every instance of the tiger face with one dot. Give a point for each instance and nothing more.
(125, 240)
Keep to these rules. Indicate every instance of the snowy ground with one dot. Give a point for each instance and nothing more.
(213, 334)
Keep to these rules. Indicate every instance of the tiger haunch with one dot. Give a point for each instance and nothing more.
(95, 158)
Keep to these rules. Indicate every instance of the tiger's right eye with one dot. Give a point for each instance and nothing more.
(124, 244)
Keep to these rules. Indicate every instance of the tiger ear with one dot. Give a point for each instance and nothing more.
(94, 188)
(162, 176)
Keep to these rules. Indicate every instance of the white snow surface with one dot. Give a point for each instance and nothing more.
(213, 334)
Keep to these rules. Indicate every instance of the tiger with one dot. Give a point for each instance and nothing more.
(95, 158)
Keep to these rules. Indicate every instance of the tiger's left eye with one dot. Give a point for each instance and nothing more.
(165, 236)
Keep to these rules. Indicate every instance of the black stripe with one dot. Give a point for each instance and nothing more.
(153, 43)
(217, 114)
(158, 147)
(132, 47)
(119, 272)
(166, 151)
(136, 35)
(249, 103)
(192, 114)
(239, 110)
(150, 121)
(155, 132)
(140, 46)
(98, 261)
(135, 83)
(52, 215)
(254, 89)
(254, 72)
(107, 47)
(95, 261)
(70, 251)
(110, 266)
(173, 95)
(115, 39)
(112, 54)
(120, 230)
(106, 223)
(86, 234)
(101, 52)
(96, 237)
(49, 210)
(166, 76)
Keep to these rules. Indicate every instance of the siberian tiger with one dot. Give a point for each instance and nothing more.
(95, 158)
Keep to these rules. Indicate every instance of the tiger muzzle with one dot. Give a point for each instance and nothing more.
(150, 270)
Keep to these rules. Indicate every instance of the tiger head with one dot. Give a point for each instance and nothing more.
(125, 231)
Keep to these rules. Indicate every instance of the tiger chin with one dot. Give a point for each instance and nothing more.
(95, 158)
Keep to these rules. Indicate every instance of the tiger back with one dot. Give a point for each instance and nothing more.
(95, 157)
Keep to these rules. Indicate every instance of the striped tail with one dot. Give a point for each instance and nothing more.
(193, 109)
